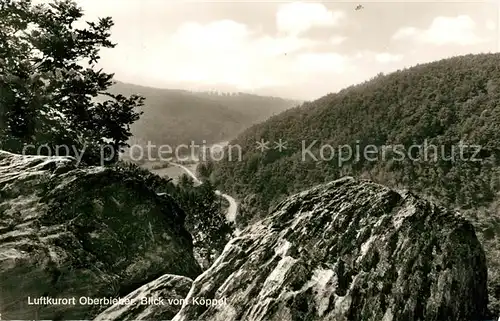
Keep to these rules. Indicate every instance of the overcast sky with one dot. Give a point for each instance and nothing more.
(298, 50)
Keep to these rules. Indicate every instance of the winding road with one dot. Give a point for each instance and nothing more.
(233, 205)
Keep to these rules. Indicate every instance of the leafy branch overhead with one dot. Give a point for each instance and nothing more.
(51, 89)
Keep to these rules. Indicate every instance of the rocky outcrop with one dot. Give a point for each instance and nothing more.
(73, 233)
(160, 299)
(347, 250)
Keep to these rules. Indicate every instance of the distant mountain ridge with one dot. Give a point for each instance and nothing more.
(175, 116)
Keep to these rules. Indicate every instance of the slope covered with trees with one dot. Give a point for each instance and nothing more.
(452, 104)
(174, 117)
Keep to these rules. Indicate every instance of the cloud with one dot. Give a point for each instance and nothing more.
(405, 32)
(228, 38)
(491, 25)
(365, 56)
(443, 31)
(386, 57)
(298, 17)
(222, 34)
(323, 63)
(275, 46)
(337, 40)
(225, 52)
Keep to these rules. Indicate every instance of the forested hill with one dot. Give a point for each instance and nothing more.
(444, 102)
(179, 116)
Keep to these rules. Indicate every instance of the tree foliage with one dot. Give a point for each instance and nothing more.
(49, 82)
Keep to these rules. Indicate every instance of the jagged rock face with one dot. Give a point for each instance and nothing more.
(348, 250)
(68, 232)
(160, 299)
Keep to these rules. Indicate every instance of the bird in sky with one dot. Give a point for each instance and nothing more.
(359, 7)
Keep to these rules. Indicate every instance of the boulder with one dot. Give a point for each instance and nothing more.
(160, 299)
(347, 250)
(81, 234)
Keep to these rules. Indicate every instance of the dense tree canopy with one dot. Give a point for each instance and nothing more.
(49, 80)
(445, 104)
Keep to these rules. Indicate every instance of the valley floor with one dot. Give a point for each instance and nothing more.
(176, 170)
